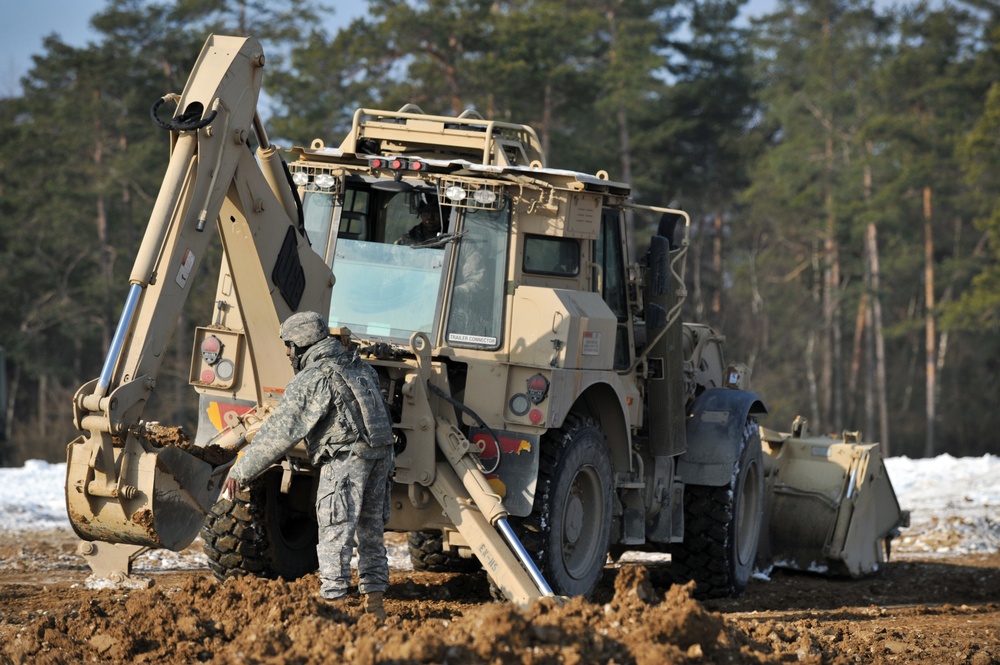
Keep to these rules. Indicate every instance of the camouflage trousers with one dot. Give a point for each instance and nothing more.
(352, 505)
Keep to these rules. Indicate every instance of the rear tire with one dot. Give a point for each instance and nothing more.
(569, 529)
(722, 526)
(427, 554)
(263, 536)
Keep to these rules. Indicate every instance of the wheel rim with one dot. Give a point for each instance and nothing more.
(748, 514)
(580, 540)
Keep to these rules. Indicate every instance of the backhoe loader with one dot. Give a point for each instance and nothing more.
(550, 407)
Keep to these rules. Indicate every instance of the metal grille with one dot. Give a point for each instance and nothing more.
(470, 194)
(313, 172)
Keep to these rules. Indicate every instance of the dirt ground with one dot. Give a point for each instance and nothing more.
(923, 609)
(920, 608)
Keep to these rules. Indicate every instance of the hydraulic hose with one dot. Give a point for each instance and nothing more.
(475, 416)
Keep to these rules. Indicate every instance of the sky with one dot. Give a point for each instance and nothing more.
(954, 506)
(23, 25)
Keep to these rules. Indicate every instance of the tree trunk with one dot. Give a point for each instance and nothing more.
(6, 458)
(862, 324)
(865, 322)
(870, 380)
(837, 338)
(930, 333)
(876, 339)
(626, 160)
(816, 406)
(106, 252)
(811, 378)
(697, 292)
(881, 383)
(546, 137)
(826, 351)
(43, 411)
(717, 263)
(130, 229)
(624, 139)
(12, 387)
(832, 376)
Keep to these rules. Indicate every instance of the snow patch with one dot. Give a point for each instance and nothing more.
(953, 504)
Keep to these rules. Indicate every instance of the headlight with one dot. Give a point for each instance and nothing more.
(300, 178)
(455, 193)
(325, 181)
(484, 196)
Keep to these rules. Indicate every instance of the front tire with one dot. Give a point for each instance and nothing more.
(722, 526)
(266, 535)
(569, 528)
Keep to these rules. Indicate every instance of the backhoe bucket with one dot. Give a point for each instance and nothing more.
(830, 507)
(152, 497)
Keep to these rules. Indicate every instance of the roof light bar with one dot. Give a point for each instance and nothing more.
(396, 164)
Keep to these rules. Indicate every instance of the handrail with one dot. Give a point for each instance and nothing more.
(675, 312)
(528, 135)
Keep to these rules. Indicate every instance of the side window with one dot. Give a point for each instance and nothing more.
(609, 257)
(354, 217)
(317, 209)
(545, 255)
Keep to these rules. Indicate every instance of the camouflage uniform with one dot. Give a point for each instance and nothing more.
(334, 403)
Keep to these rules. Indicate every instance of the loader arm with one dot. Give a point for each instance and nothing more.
(123, 492)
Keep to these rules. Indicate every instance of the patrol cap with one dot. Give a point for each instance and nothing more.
(304, 329)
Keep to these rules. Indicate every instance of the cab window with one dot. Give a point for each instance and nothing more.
(317, 210)
(609, 257)
(545, 255)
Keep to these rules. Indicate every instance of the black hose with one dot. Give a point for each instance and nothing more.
(298, 200)
(461, 407)
(184, 122)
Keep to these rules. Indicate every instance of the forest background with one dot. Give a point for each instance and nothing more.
(839, 160)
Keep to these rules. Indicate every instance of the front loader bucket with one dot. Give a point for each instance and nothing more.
(152, 497)
(830, 507)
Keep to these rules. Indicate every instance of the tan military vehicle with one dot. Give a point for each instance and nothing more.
(551, 408)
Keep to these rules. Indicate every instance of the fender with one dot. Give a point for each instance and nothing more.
(714, 433)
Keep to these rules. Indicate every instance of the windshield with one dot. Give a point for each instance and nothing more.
(385, 291)
(389, 257)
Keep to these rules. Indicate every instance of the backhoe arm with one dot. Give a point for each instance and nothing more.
(120, 487)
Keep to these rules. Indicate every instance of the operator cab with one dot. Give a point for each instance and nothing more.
(453, 279)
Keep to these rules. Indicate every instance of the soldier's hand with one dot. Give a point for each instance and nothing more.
(229, 489)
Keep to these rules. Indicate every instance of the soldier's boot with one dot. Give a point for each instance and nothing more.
(339, 604)
(373, 604)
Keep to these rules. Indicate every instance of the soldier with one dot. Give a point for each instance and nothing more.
(427, 229)
(335, 404)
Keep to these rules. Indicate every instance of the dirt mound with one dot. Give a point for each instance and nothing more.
(161, 436)
(255, 620)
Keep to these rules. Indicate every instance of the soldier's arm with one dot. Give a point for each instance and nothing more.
(302, 406)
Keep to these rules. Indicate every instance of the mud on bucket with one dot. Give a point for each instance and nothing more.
(160, 498)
